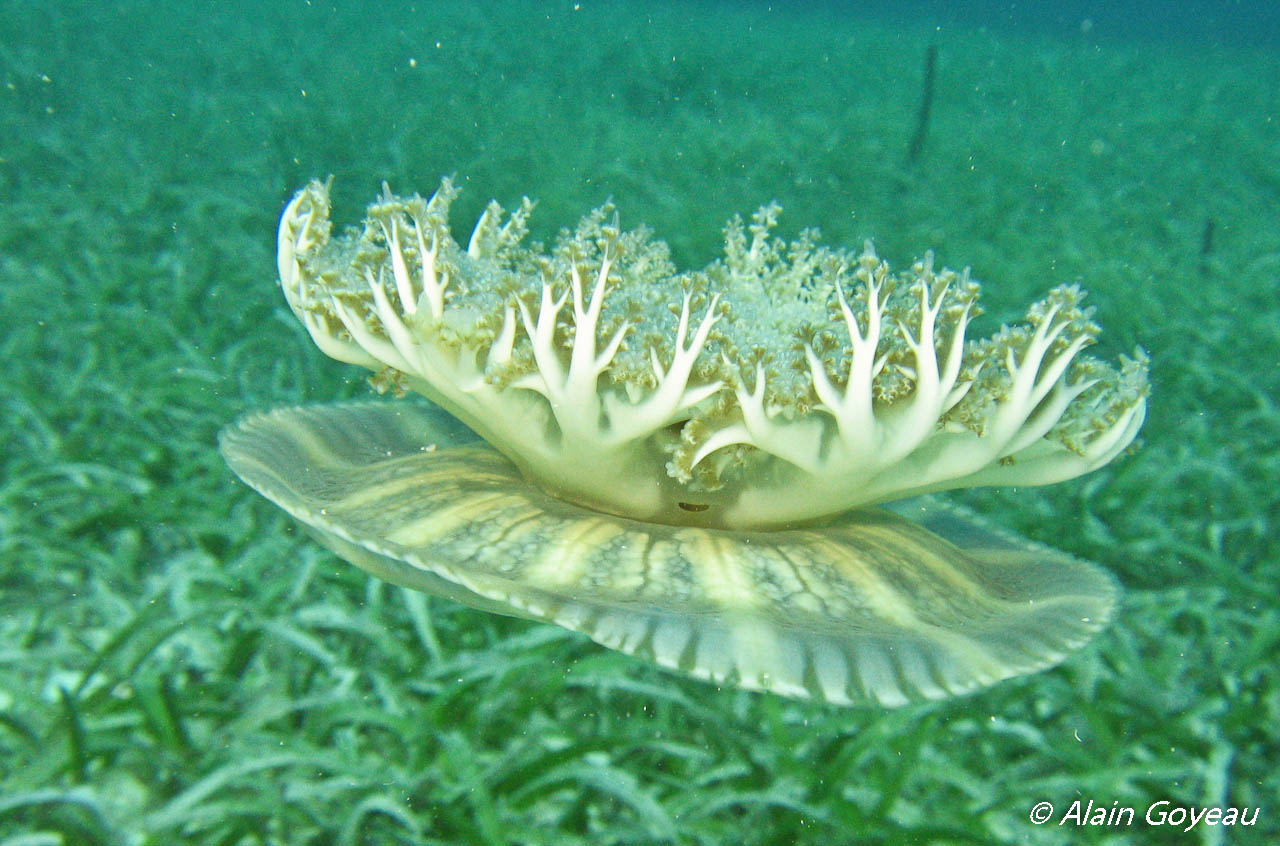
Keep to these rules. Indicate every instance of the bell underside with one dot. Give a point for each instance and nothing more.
(868, 607)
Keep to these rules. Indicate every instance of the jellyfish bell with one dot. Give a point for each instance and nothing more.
(685, 467)
(864, 607)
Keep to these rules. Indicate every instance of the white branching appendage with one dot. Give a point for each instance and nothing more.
(784, 383)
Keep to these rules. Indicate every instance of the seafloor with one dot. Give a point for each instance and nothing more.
(180, 665)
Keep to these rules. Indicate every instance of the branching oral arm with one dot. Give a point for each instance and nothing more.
(556, 360)
(673, 394)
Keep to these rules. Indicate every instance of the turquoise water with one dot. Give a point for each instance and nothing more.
(179, 664)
